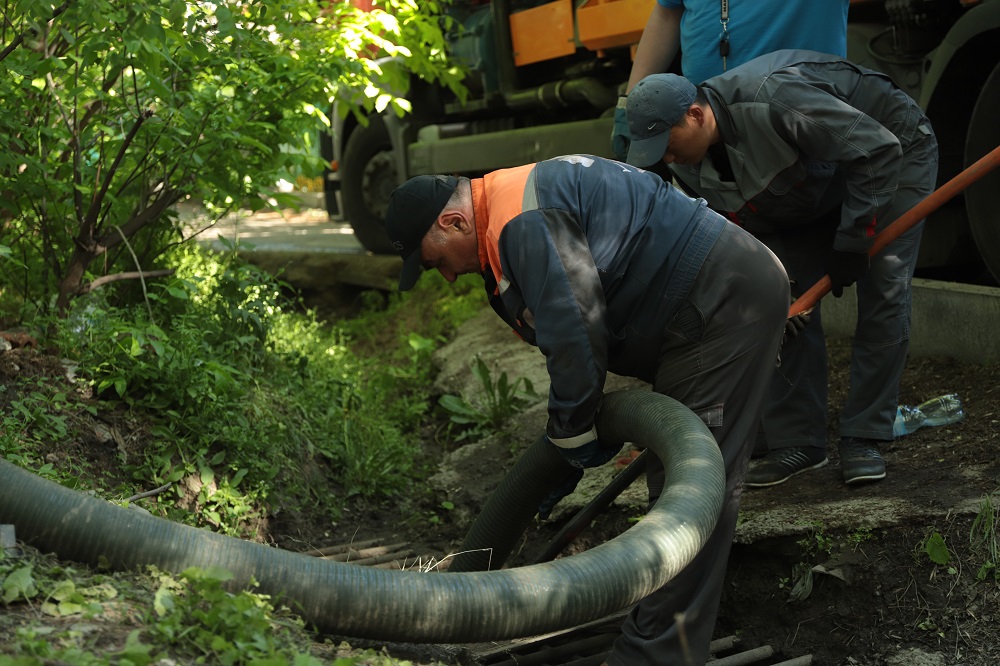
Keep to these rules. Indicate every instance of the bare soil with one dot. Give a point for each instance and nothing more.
(876, 596)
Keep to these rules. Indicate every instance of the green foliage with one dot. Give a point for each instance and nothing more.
(395, 338)
(17, 584)
(254, 402)
(984, 540)
(817, 541)
(115, 112)
(189, 618)
(433, 518)
(498, 401)
(818, 546)
(936, 549)
(403, 314)
(39, 414)
(860, 536)
(53, 589)
(200, 620)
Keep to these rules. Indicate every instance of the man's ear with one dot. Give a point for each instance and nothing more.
(697, 114)
(454, 218)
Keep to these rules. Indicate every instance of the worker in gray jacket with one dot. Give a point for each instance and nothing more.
(814, 155)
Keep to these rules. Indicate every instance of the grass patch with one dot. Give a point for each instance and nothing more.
(250, 403)
(153, 617)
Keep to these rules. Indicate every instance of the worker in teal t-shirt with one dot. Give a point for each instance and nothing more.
(716, 35)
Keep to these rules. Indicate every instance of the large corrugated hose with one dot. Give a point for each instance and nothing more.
(414, 606)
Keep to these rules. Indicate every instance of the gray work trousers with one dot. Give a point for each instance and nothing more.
(796, 410)
(717, 357)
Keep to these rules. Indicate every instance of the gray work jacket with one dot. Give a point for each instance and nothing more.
(805, 132)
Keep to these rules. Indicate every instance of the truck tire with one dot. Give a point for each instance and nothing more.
(368, 177)
(982, 199)
(330, 188)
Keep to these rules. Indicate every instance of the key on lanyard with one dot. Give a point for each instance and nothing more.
(724, 38)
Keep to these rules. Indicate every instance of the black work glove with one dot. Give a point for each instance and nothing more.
(620, 135)
(846, 268)
(592, 454)
(796, 323)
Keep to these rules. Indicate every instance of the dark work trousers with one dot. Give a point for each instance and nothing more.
(717, 358)
(796, 410)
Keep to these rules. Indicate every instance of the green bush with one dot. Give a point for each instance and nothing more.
(256, 400)
(255, 405)
(116, 112)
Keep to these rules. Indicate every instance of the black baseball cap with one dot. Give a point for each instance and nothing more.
(413, 208)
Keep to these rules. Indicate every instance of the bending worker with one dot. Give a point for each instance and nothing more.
(605, 267)
(814, 155)
(713, 36)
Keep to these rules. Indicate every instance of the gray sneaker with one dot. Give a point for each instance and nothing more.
(860, 460)
(782, 464)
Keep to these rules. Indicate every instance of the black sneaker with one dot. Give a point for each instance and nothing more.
(860, 460)
(782, 464)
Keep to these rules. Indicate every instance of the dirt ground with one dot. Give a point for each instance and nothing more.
(844, 574)
(841, 573)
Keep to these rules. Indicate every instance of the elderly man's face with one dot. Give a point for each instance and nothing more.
(452, 250)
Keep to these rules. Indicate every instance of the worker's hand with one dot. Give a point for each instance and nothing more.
(620, 137)
(795, 324)
(565, 488)
(592, 454)
(846, 268)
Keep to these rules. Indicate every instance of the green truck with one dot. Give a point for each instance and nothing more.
(544, 78)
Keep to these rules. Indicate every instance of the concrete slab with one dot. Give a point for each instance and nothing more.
(960, 321)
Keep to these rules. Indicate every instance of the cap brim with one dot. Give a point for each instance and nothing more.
(644, 152)
(411, 271)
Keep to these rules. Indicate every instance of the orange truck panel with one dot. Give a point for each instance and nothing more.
(605, 24)
(542, 33)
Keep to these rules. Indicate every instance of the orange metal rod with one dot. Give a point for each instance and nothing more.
(934, 200)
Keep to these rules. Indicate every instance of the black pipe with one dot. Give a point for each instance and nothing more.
(564, 94)
(625, 416)
(510, 508)
(415, 606)
(585, 516)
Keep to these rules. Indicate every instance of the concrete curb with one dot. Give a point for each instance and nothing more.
(960, 321)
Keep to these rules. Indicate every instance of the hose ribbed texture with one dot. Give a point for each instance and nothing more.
(413, 606)
(509, 509)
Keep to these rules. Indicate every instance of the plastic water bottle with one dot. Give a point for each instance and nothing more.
(938, 411)
(908, 419)
(942, 410)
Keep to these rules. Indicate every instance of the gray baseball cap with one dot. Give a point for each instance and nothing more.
(654, 105)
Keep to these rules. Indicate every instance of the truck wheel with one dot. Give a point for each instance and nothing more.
(368, 177)
(330, 188)
(982, 198)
